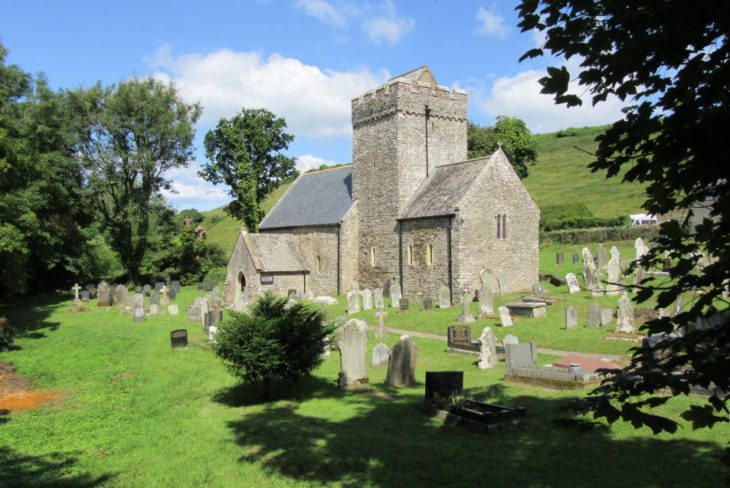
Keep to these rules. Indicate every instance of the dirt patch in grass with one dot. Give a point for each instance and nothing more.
(16, 394)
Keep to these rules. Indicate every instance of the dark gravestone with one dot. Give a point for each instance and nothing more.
(179, 338)
(210, 318)
(666, 264)
(200, 287)
(291, 293)
(138, 289)
(404, 305)
(520, 355)
(441, 386)
(576, 257)
(560, 258)
(428, 303)
(85, 295)
(172, 294)
(208, 286)
(459, 340)
(92, 290)
(175, 285)
(154, 298)
(159, 285)
(146, 289)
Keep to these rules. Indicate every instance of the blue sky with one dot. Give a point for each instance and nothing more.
(302, 59)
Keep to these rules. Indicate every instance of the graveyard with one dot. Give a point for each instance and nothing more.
(126, 409)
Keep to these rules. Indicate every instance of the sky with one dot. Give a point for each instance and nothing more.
(304, 60)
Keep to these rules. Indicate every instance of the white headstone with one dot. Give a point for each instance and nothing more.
(625, 315)
(486, 301)
(353, 302)
(572, 281)
(76, 289)
(173, 309)
(640, 248)
(613, 287)
(352, 342)
(510, 339)
(378, 297)
(487, 349)
(589, 268)
(606, 317)
(212, 331)
(465, 317)
(504, 317)
(444, 297)
(395, 295)
(489, 278)
(615, 253)
(594, 315)
(571, 318)
(367, 299)
(380, 355)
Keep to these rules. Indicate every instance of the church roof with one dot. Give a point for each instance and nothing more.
(440, 194)
(317, 198)
(275, 253)
(422, 74)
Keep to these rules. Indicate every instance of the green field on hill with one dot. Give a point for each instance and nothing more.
(560, 176)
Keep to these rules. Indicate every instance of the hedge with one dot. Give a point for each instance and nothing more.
(600, 234)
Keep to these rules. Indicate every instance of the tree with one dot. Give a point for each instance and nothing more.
(670, 63)
(516, 139)
(245, 154)
(272, 341)
(133, 133)
(43, 210)
(196, 257)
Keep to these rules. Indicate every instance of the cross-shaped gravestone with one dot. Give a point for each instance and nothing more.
(76, 289)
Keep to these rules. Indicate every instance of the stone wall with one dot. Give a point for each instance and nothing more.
(420, 279)
(349, 236)
(498, 190)
(389, 161)
(319, 247)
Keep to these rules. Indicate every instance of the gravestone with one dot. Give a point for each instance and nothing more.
(667, 264)
(395, 295)
(378, 297)
(520, 355)
(212, 332)
(137, 300)
(510, 339)
(487, 349)
(572, 280)
(571, 318)
(175, 285)
(380, 330)
(194, 314)
(444, 297)
(486, 301)
(640, 247)
(538, 290)
(164, 299)
(589, 268)
(489, 278)
(442, 386)
(402, 363)
(104, 293)
(405, 304)
(138, 288)
(367, 299)
(92, 290)
(606, 317)
(459, 340)
(85, 295)
(138, 314)
(353, 302)
(601, 256)
(614, 269)
(504, 317)
(179, 338)
(159, 285)
(75, 289)
(560, 258)
(172, 294)
(639, 275)
(380, 355)
(465, 317)
(625, 315)
(576, 258)
(154, 309)
(200, 286)
(353, 339)
(120, 296)
(504, 287)
(615, 254)
(427, 303)
(594, 315)
(173, 309)
(154, 298)
(597, 290)
(532, 309)
(146, 289)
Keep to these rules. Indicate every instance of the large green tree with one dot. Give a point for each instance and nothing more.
(512, 133)
(245, 153)
(133, 133)
(669, 61)
(43, 211)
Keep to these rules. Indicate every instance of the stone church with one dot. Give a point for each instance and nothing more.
(410, 210)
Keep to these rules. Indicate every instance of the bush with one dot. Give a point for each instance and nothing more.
(6, 334)
(586, 236)
(578, 216)
(272, 341)
(216, 275)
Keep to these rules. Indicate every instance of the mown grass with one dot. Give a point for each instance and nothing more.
(136, 413)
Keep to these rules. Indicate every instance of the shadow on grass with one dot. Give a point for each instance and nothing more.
(54, 470)
(363, 439)
(242, 395)
(29, 315)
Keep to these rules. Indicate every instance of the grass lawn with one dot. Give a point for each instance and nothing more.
(135, 413)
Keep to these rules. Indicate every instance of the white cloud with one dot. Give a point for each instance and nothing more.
(308, 162)
(190, 190)
(324, 11)
(315, 102)
(519, 96)
(389, 27)
(491, 24)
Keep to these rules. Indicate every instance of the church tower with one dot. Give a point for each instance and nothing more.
(401, 132)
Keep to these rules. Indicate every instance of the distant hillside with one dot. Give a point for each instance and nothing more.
(560, 176)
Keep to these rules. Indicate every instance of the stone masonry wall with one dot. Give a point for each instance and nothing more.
(498, 190)
(419, 279)
(241, 262)
(389, 161)
(349, 236)
(319, 247)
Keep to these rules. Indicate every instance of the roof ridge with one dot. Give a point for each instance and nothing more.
(315, 171)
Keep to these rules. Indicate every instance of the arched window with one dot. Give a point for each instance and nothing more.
(410, 254)
(372, 256)
(504, 226)
(319, 264)
(429, 254)
(242, 280)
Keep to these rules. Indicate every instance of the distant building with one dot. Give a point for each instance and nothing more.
(410, 211)
(642, 219)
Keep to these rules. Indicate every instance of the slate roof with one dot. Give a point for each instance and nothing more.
(441, 192)
(276, 253)
(318, 198)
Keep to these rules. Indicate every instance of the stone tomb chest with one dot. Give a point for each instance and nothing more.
(179, 338)
(528, 309)
(459, 340)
